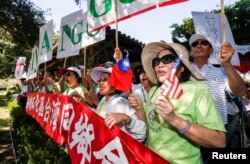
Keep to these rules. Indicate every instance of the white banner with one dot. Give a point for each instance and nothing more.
(243, 49)
(46, 42)
(19, 67)
(209, 25)
(34, 63)
(74, 34)
(102, 14)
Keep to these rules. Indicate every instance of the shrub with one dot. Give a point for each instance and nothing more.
(32, 144)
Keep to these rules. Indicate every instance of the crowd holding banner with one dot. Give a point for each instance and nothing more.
(84, 132)
(75, 125)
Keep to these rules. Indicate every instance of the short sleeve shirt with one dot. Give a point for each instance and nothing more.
(195, 105)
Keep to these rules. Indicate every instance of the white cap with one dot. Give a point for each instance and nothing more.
(195, 37)
(75, 69)
(81, 67)
(97, 71)
(24, 76)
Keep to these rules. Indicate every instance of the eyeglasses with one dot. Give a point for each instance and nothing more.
(68, 74)
(166, 59)
(140, 71)
(102, 80)
(203, 43)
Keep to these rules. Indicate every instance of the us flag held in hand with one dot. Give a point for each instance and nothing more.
(171, 87)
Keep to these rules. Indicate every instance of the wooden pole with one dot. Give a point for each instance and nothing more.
(223, 26)
(116, 24)
(64, 64)
(84, 62)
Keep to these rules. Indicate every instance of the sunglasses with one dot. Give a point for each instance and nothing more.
(203, 43)
(140, 71)
(68, 74)
(166, 59)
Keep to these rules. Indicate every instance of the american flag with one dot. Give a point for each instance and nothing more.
(171, 87)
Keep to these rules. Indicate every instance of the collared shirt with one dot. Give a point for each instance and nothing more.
(217, 83)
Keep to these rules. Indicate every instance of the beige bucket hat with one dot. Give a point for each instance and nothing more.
(151, 50)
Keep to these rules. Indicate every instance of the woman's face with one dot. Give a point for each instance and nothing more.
(163, 70)
(144, 79)
(104, 87)
(71, 79)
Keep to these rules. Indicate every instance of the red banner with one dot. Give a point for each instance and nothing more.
(84, 132)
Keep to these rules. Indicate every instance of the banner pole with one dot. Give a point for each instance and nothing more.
(64, 64)
(116, 24)
(84, 62)
(223, 26)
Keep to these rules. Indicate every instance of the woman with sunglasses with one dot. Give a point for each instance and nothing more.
(177, 127)
(75, 89)
(114, 108)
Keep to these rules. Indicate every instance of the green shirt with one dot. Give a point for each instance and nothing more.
(195, 105)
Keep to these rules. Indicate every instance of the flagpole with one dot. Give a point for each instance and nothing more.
(84, 62)
(45, 68)
(116, 24)
(223, 27)
(64, 64)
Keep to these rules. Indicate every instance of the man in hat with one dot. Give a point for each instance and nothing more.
(219, 79)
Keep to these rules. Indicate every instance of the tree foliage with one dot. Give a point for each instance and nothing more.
(237, 15)
(20, 21)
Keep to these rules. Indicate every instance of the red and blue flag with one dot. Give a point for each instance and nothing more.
(121, 76)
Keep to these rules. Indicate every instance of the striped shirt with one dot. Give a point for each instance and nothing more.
(217, 83)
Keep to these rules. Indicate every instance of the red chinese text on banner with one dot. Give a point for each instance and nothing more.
(71, 123)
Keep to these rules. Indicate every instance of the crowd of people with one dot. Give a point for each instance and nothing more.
(178, 129)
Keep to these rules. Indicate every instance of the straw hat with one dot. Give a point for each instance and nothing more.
(151, 50)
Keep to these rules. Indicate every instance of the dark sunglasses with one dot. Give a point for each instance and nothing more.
(68, 74)
(140, 71)
(166, 59)
(203, 43)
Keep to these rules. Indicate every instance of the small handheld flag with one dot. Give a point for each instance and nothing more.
(121, 76)
(171, 87)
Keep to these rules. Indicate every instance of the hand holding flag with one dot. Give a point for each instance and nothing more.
(171, 87)
(121, 76)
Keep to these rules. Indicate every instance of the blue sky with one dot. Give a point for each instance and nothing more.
(147, 27)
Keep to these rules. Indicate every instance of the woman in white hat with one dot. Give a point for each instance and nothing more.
(75, 89)
(177, 127)
(114, 108)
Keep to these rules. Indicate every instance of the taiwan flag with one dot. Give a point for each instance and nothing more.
(171, 87)
(121, 76)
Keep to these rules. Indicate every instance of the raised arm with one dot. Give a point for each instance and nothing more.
(235, 82)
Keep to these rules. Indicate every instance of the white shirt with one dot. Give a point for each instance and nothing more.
(118, 104)
(139, 90)
(217, 83)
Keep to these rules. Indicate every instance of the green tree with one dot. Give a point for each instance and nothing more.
(20, 21)
(237, 15)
